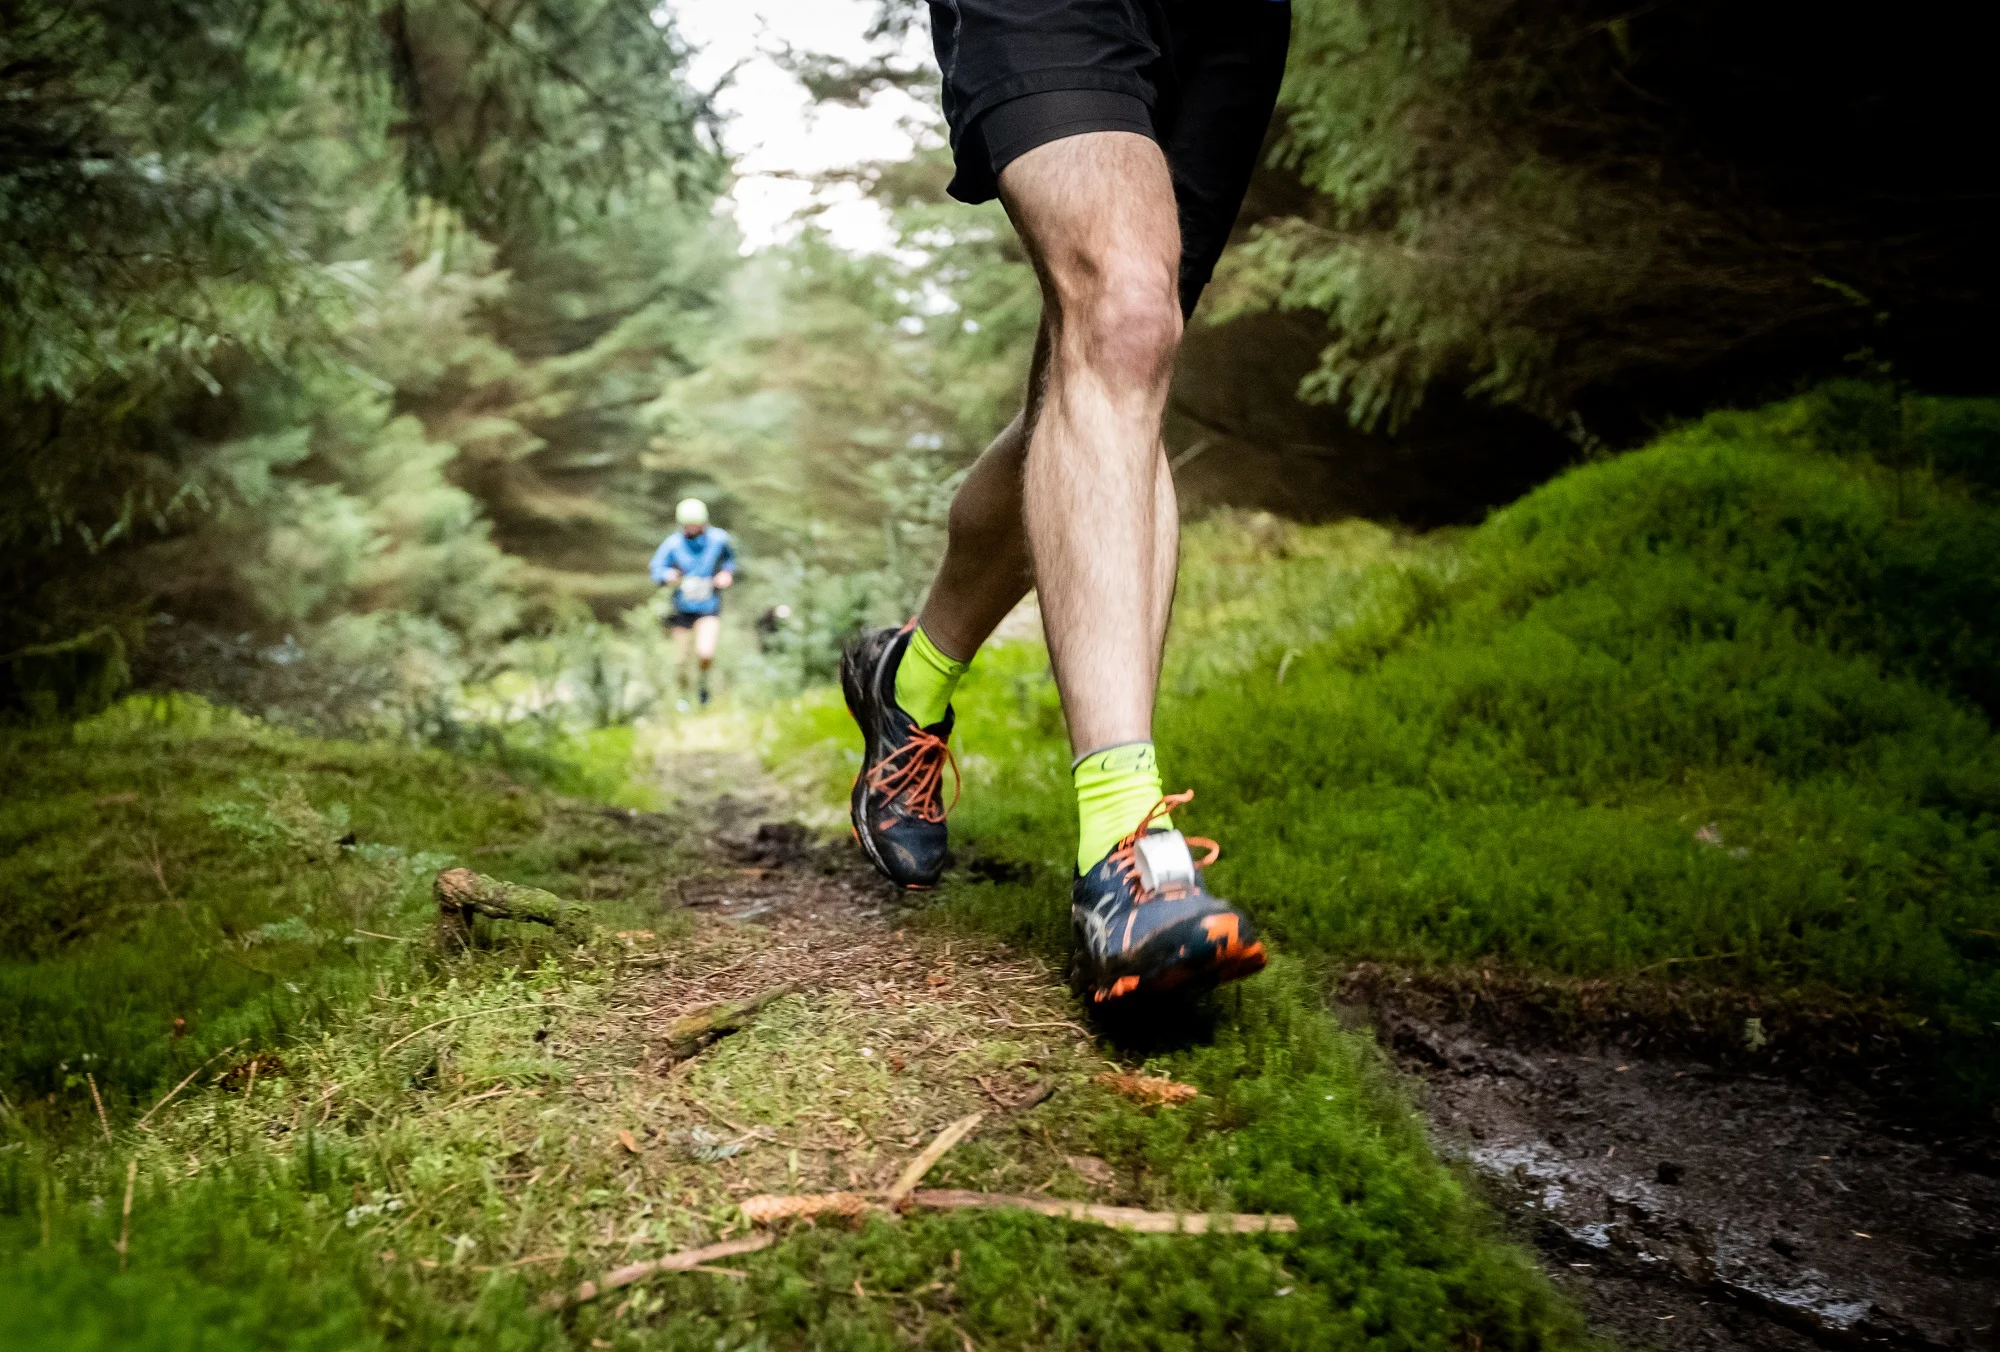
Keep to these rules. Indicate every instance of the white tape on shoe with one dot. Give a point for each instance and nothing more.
(1164, 858)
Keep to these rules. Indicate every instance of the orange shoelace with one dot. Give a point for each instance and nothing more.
(912, 777)
(1125, 856)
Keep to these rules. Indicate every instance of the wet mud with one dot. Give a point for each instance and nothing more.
(1689, 1204)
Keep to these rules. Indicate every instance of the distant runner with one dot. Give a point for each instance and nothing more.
(1121, 138)
(699, 562)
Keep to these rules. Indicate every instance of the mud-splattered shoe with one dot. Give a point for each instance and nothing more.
(1144, 924)
(898, 803)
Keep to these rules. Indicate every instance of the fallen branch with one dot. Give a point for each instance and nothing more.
(772, 1208)
(691, 1032)
(141, 1123)
(518, 1262)
(906, 1183)
(673, 1262)
(102, 1119)
(463, 894)
(125, 1226)
(1117, 1217)
(1705, 957)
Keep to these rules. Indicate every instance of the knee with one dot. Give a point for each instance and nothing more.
(1123, 316)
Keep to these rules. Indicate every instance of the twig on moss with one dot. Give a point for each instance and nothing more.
(141, 1124)
(462, 894)
(102, 1119)
(691, 1032)
(684, 1261)
(906, 1183)
(1117, 1217)
(1675, 962)
(769, 1209)
(125, 1225)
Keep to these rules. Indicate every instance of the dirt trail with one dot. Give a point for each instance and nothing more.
(896, 1032)
(1686, 1206)
(1681, 1206)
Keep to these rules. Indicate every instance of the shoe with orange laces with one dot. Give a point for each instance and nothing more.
(898, 805)
(1144, 923)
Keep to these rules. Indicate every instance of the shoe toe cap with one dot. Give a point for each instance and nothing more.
(912, 852)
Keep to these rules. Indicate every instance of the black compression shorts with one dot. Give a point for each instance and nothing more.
(1198, 76)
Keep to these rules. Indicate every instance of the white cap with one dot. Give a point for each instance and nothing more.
(691, 512)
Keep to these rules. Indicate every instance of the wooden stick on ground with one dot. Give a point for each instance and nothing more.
(98, 1099)
(768, 1210)
(673, 1262)
(691, 1032)
(125, 1226)
(462, 894)
(1117, 1217)
(922, 1164)
(183, 1084)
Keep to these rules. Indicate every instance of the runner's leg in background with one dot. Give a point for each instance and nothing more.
(707, 633)
(986, 569)
(683, 654)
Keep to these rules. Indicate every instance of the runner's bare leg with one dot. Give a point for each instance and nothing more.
(707, 633)
(987, 569)
(1095, 498)
(683, 650)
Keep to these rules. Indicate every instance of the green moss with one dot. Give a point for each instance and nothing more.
(71, 679)
(267, 1222)
(1727, 697)
(180, 879)
(252, 1255)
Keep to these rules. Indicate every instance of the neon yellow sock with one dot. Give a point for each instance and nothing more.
(925, 679)
(1115, 787)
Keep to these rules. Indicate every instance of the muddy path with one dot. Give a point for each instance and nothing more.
(1685, 1205)
(901, 1032)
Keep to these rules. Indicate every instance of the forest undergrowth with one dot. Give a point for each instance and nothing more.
(255, 1103)
(1710, 716)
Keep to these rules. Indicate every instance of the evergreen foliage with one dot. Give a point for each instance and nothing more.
(1606, 216)
(264, 365)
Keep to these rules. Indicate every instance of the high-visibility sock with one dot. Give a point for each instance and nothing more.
(926, 678)
(1115, 788)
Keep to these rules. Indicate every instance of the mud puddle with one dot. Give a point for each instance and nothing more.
(1685, 1205)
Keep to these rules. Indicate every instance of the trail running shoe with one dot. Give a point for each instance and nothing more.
(1144, 923)
(898, 802)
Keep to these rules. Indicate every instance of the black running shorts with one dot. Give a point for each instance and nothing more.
(1198, 76)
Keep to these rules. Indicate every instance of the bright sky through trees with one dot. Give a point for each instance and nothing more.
(773, 129)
